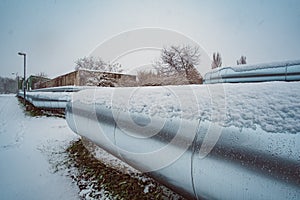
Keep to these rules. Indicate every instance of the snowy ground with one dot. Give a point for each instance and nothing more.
(25, 142)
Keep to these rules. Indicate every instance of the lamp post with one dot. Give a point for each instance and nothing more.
(24, 82)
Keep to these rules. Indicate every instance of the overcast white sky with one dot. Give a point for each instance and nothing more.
(56, 33)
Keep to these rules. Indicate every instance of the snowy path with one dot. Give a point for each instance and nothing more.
(25, 172)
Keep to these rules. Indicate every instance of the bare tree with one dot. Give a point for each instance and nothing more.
(179, 60)
(217, 60)
(92, 63)
(241, 61)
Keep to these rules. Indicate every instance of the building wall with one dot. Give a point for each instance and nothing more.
(88, 78)
(66, 79)
(33, 82)
(104, 79)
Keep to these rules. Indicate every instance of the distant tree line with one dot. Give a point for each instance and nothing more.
(8, 85)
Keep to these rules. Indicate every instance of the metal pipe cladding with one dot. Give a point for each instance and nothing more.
(217, 141)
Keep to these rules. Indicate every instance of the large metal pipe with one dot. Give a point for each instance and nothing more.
(233, 141)
(48, 100)
(277, 71)
(51, 98)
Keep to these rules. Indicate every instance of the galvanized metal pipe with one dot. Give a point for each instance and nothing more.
(198, 158)
(51, 98)
(278, 71)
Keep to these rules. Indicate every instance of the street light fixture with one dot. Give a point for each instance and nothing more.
(24, 82)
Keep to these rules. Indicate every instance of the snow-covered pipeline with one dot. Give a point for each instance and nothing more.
(231, 141)
(51, 98)
(276, 71)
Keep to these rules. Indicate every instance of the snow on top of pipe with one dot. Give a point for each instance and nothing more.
(66, 96)
(272, 106)
(252, 67)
